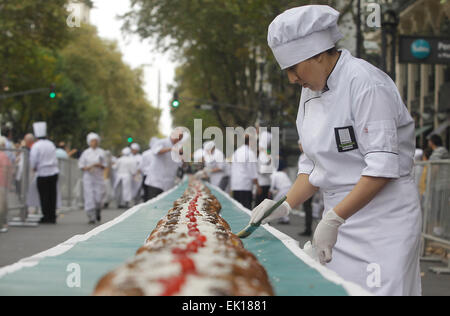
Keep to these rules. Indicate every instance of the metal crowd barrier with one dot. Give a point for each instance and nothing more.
(18, 189)
(14, 185)
(434, 190)
(69, 182)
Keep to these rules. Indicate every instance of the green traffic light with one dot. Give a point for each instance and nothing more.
(176, 103)
(130, 140)
(52, 95)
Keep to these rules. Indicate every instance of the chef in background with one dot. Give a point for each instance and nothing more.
(166, 162)
(92, 162)
(148, 158)
(265, 166)
(244, 174)
(44, 163)
(137, 179)
(126, 169)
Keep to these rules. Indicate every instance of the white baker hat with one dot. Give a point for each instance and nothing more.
(303, 32)
(126, 151)
(91, 137)
(135, 146)
(40, 129)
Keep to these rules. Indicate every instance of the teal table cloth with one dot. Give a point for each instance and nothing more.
(74, 267)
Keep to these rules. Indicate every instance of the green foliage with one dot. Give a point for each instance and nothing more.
(222, 46)
(95, 89)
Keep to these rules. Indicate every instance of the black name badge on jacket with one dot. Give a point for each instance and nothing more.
(345, 139)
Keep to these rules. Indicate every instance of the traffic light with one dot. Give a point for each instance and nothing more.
(52, 93)
(130, 139)
(176, 101)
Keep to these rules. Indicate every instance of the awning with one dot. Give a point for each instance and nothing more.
(441, 128)
(421, 130)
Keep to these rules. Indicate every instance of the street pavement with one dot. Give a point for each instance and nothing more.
(20, 243)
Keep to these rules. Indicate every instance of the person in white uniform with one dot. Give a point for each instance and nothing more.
(359, 142)
(146, 167)
(214, 164)
(44, 163)
(308, 204)
(164, 168)
(137, 179)
(244, 174)
(93, 162)
(265, 166)
(126, 168)
(280, 185)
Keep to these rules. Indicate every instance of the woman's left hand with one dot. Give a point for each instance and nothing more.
(325, 236)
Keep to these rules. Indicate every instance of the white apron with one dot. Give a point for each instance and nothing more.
(376, 246)
(93, 182)
(94, 189)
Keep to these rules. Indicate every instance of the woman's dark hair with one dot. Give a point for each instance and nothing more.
(331, 52)
(427, 152)
(436, 139)
(282, 165)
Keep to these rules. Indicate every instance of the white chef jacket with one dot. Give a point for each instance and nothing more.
(280, 184)
(244, 169)
(43, 158)
(138, 159)
(265, 168)
(126, 166)
(90, 157)
(163, 170)
(357, 127)
(93, 180)
(363, 113)
(216, 160)
(147, 159)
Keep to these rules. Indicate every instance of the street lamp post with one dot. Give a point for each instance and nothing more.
(389, 28)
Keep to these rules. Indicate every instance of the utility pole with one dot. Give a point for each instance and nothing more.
(358, 30)
(159, 88)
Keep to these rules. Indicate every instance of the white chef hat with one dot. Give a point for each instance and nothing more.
(135, 146)
(91, 137)
(208, 146)
(264, 139)
(126, 151)
(303, 32)
(40, 129)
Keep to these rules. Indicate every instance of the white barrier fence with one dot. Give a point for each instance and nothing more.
(433, 178)
(18, 188)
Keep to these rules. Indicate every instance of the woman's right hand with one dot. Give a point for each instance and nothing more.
(259, 211)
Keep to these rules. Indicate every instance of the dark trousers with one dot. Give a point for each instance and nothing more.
(264, 194)
(47, 194)
(244, 197)
(307, 207)
(151, 192)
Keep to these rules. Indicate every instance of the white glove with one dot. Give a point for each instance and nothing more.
(258, 212)
(325, 236)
